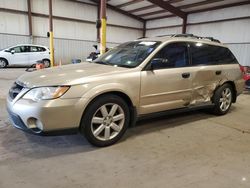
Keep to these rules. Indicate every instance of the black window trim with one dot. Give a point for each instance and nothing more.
(191, 58)
(147, 66)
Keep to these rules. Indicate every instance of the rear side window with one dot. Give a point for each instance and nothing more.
(204, 54)
(41, 49)
(37, 49)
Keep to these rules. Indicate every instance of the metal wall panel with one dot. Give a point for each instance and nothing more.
(236, 33)
(14, 4)
(66, 49)
(158, 32)
(120, 35)
(241, 52)
(119, 19)
(13, 23)
(11, 40)
(239, 11)
(72, 39)
(164, 22)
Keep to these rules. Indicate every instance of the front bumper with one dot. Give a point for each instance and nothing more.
(47, 115)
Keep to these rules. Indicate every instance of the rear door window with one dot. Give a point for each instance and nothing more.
(34, 49)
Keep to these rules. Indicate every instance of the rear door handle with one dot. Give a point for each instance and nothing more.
(218, 72)
(186, 75)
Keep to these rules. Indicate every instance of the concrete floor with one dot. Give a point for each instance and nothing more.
(186, 150)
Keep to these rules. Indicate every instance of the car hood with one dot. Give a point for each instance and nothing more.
(68, 74)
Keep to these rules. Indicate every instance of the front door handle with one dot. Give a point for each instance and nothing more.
(186, 75)
(218, 72)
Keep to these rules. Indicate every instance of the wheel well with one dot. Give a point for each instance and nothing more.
(46, 59)
(234, 89)
(5, 60)
(132, 109)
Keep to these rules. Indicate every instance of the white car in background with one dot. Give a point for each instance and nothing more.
(24, 55)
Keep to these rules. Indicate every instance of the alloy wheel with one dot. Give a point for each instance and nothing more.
(46, 63)
(107, 121)
(2, 63)
(225, 99)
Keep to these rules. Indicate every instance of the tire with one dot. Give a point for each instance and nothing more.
(46, 63)
(3, 63)
(105, 120)
(222, 99)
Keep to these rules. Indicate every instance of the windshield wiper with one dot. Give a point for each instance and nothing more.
(102, 62)
(126, 66)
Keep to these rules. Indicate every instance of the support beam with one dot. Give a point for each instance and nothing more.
(51, 34)
(144, 29)
(29, 18)
(103, 26)
(169, 8)
(98, 18)
(184, 25)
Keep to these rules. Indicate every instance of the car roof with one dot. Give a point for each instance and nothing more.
(180, 38)
(28, 45)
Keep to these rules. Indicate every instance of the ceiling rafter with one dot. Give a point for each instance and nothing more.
(169, 7)
(128, 3)
(182, 7)
(152, 6)
(222, 6)
(205, 9)
(121, 11)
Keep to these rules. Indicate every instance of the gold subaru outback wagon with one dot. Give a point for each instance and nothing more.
(149, 75)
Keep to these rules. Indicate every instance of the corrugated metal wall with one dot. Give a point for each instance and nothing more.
(233, 33)
(72, 39)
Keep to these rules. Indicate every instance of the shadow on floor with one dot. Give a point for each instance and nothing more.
(24, 145)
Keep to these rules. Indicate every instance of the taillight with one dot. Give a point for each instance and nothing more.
(242, 68)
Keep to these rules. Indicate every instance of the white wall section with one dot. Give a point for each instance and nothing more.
(234, 33)
(73, 38)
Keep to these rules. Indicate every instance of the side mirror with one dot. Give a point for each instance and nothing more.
(157, 63)
(12, 51)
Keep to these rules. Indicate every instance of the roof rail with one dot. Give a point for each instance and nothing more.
(142, 37)
(197, 37)
(184, 35)
(211, 38)
(190, 36)
(167, 35)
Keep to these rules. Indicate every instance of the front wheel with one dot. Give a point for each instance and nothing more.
(105, 120)
(223, 99)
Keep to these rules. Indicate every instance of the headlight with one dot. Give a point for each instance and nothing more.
(44, 93)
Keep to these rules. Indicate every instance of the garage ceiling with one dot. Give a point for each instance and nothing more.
(156, 9)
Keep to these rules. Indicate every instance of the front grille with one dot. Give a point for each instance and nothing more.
(15, 90)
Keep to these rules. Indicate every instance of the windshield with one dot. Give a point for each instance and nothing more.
(130, 54)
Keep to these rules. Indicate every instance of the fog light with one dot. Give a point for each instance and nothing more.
(34, 124)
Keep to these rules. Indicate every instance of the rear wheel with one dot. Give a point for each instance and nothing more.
(105, 120)
(3, 63)
(46, 63)
(223, 99)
